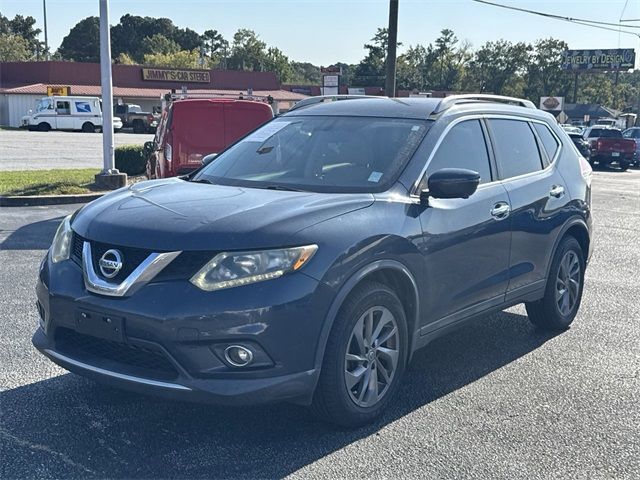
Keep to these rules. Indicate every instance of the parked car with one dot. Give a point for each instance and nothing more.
(133, 117)
(309, 261)
(65, 113)
(581, 144)
(117, 124)
(634, 134)
(192, 128)
(609, 147)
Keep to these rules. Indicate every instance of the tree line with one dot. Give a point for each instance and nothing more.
(517, 69)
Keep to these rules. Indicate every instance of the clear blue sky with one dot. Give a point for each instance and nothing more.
(323, 32)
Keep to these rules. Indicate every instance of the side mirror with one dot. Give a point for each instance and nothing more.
(451, 183)
(207, 159)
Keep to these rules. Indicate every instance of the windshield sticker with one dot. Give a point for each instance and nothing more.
(266, 132)
(375, 177)
(415, 128)
(83, 107)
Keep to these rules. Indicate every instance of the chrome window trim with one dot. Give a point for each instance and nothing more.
(142, 275)
(414, 189)
(121, 376)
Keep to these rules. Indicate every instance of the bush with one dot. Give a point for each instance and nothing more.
(131, 159)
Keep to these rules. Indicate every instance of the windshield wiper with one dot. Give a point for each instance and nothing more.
(282, 187)
(202, 180)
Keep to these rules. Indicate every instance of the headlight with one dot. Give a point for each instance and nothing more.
(61, 246)
(232, 269)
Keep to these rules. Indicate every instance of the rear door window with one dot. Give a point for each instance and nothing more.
(548, 140)
(464, 146)
(515, 147)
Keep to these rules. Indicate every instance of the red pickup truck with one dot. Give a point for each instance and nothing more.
(608, 146)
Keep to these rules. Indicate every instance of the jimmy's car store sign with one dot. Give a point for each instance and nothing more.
(164, 75)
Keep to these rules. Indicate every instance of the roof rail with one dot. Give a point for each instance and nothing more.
(213, 95)
(452, 100)
(328, 98)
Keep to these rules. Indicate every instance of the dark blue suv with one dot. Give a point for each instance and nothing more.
(311, 259)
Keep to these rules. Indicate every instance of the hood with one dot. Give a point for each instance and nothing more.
(173, 214)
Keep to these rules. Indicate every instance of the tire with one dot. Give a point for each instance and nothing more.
(44, 127)
(624, 166)
(88, 127)
(333, 401)
(138, 126)
(547, 313)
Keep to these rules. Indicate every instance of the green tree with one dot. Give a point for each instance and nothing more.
(278, 62)
(544, 73)
(495, 63)
(181, 59)
(82, 44)
(23, 27)
(13, 48)
(305, 73)
(159, 44)
(216, 47)
(247, 51)
(371, 69)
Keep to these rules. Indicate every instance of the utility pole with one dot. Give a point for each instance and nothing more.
(392, 42)
(46, 38)
(110, 178)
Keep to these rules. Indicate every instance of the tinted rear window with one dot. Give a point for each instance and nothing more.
(605, 133)
(549, 142)
(515, 146)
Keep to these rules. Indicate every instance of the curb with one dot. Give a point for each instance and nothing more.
(41, 200)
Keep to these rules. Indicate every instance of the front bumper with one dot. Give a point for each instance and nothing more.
(173, 336)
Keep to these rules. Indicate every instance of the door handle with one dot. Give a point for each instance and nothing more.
(500, 210)
(557, 191)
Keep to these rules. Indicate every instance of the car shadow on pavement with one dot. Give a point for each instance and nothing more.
(32, 236)
(71, 427)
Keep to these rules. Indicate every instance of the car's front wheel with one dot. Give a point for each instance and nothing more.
(364, 359)
(563, 293)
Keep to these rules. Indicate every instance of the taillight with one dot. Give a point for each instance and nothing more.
(167, 147)
(585, 167)
(150, 118)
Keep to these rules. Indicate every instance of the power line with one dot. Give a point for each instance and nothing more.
(578, 21)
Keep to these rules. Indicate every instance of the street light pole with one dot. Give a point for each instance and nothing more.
(392, 42)
(110, 177)
(46, 38)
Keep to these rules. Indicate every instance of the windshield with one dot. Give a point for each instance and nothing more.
(320, 154)
(44, 104)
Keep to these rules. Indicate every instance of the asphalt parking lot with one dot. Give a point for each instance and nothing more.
(24, 150)
(494, 400)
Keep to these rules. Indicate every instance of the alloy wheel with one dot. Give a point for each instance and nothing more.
(568, 283)
(372, 356)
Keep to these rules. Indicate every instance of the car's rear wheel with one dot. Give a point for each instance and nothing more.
(44, 127)
(88, 127)
(364, 359)
(563, 293)
(624, 166)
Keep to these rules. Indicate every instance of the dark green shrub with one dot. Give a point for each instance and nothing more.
(131, 159)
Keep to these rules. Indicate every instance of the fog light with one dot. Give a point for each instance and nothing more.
(238, 356)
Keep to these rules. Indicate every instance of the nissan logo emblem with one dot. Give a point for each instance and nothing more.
(110, 263)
